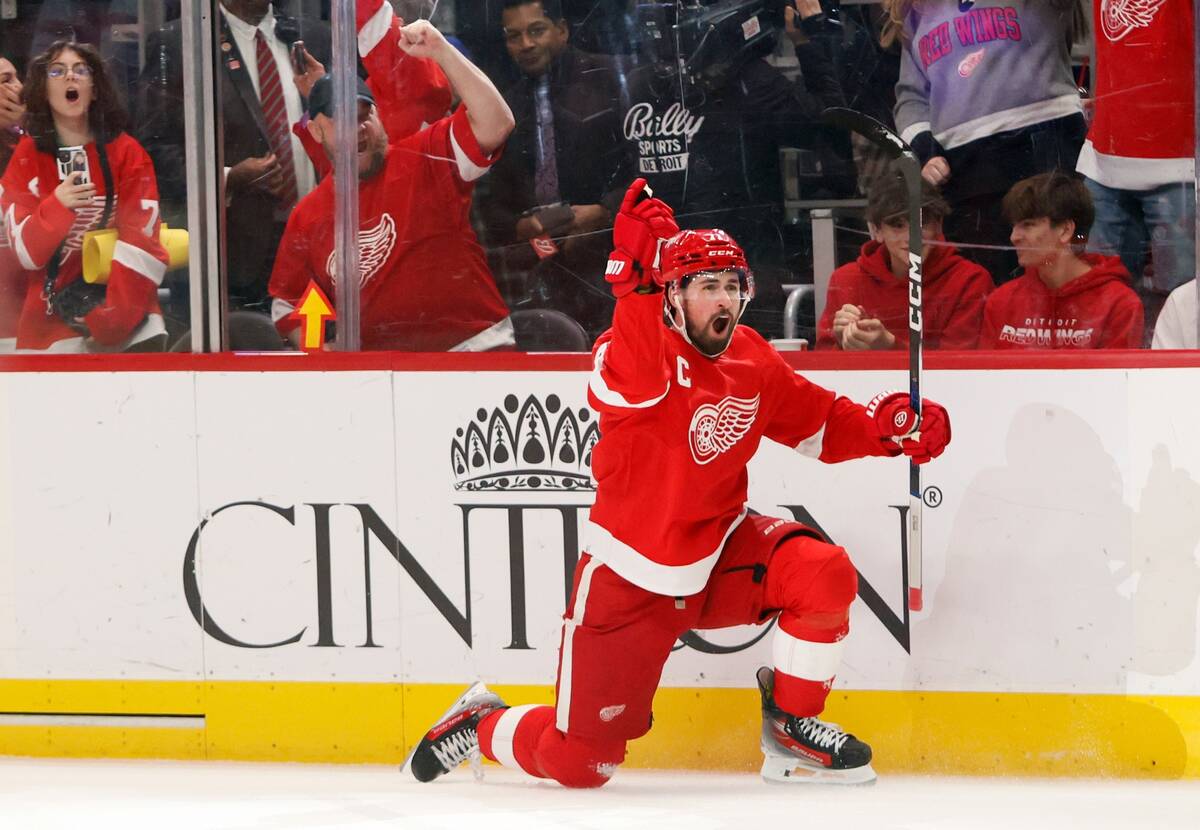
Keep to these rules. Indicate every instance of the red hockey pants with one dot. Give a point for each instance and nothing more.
(617, 637)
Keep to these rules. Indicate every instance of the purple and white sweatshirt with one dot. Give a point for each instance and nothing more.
(973, 69)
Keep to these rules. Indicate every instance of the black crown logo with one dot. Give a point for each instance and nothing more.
(526, 446)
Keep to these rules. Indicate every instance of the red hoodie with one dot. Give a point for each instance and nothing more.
(1095, 311)
(954, 293)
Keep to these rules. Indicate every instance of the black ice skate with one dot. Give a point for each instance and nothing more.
(808, 750)
(453, 739)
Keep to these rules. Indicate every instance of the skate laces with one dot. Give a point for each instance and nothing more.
(819, 733)
(455, 748)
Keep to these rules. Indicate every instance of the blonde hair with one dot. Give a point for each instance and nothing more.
(895, 12)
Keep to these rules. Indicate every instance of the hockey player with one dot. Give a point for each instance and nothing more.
(670, 545)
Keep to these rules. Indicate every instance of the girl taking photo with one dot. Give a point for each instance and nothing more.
(76, 170)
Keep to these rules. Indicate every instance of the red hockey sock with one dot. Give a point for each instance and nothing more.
(509, 737)
(813, 583)
(804, 668)
(525, 738)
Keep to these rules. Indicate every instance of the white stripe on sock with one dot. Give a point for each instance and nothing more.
(805, 659)
(506, 729)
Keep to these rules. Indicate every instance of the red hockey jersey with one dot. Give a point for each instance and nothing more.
(1098, 310)
(425, 283)
(677, 430)
(12, 275)
(954, 290)
(1143, 131)
(12, 292)
(37, 224)
(415, 89)
(413, 92)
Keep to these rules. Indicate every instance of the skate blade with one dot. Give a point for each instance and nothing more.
(476, 689)
(780, 770)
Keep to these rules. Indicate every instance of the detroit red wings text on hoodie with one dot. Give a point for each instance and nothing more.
(678, 429)
(954, 290)
(1098, 310)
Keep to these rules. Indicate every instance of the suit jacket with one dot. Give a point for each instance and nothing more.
(587, 98)
(252, 233)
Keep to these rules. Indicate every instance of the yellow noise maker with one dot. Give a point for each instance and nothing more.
(98, 251)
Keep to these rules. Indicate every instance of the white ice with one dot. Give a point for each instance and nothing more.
(167, 795)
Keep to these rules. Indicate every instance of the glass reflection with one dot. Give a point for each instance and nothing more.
(718, 103)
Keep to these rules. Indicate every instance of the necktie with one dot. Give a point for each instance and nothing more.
(545, 180)
(270, 96)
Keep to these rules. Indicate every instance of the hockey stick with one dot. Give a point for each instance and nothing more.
(910, 167)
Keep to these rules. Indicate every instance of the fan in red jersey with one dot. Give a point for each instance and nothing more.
(685, 396)
(76, 170)
(424, 280)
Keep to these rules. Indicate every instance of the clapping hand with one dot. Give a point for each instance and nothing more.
(855, 331)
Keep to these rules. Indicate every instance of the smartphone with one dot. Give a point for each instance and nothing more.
(73, 160)
(299, 58)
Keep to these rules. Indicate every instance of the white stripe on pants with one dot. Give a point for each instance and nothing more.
(563, 705)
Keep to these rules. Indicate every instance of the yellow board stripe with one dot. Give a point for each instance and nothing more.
(715, 729)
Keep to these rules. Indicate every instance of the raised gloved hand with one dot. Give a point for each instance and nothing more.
(898, 425)
(639, 227)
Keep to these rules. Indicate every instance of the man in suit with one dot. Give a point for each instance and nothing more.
(266, 167)
(565, 169)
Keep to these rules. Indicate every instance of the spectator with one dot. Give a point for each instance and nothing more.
(12, 280)
(986, 98)
(564, 169)
(867, 304)
(1177, 324)
(1063, 300)
(417, 89)
(71, 105)
(12, 110)
(267, 169)
(708, 140)
(424, 282)
(1139, 158)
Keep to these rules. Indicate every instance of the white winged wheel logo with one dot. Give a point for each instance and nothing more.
(715, 429)
(374, 247)
(1120, 17)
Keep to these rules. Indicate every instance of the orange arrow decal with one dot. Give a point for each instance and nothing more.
(313, 311)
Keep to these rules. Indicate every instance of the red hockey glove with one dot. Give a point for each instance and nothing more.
(637, 231)
(898, 426)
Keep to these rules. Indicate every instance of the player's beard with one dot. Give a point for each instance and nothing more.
(714, 335)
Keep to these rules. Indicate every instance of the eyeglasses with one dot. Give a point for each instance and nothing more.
(536, 31)
(57, 71)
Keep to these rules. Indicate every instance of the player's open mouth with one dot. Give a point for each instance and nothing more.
(721, 324)
(72, 96)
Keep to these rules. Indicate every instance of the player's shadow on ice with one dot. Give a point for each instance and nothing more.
(1053, 584)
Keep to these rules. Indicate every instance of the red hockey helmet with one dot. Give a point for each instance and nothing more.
(708, 251)
(689, 252)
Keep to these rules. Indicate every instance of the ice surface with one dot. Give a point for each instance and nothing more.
(36, 793)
